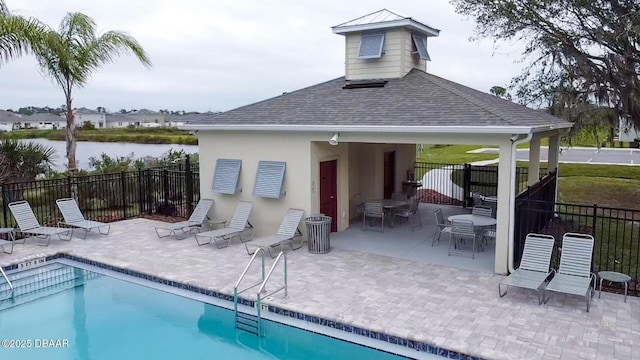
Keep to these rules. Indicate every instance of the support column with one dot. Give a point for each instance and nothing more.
(534, 161)
(506, 193)
(554, 152)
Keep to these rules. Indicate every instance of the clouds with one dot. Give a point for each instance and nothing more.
(217, 55)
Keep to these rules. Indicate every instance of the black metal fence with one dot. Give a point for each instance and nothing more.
(616, 231)
(455, 184)
(168, 190)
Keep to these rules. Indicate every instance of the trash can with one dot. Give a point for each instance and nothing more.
(318, 233)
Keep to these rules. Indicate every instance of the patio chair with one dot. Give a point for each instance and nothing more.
(238, 225)
(411, 213)
(358, 205)
(534, 266)
(73, 217)
(574, 274)
(373, 209)
(442, 226)
(195, 221)
(462, 230)
(28, 224)
(482, 211)
(287, 232)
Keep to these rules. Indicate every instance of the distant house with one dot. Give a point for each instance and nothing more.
(119, 121)
(84, 115)
(322, 147)
(9, 120)
(147, 118)
(43, 121)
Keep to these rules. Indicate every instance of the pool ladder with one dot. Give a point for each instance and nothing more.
(7, 279)
(249, 322)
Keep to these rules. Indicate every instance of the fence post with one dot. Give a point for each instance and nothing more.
(467, 185)
(595, 218)
(165, 185)
(5, 199)
(140, 193)
(124, 195)
(189, 186)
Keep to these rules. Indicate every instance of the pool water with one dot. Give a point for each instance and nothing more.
(107, 318)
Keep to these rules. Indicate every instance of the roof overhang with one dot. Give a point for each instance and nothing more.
(381, 129)
(408, 23)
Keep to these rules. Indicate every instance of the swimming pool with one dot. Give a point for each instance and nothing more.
(78, 314)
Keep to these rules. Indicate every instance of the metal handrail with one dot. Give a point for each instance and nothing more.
(6, 278)
(235, 288)
(264, 283)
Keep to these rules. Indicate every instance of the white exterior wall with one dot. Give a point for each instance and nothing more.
(252, 147)
(95, 119)
(395, 62)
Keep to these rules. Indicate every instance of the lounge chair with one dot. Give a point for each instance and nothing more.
(286, 234)
(28, 224)
(574, 274)
(534, 266)
(73, 217)
(238, 225)
(195, 221)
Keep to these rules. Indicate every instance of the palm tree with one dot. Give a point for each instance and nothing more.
(24, 160)
(71, 54)
(18, 35)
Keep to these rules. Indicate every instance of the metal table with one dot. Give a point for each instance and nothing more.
(390, 205)
(478, 220)
(616, 277)
(10, 239)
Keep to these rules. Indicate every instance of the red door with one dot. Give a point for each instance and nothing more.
(329, 191)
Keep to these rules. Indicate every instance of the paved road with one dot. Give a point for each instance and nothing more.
(585, 155)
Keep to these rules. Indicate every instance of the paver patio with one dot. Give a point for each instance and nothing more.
(446, 306)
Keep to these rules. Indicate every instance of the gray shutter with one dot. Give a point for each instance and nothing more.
(225, 179)
(371, 46)
(270, 179)
(421, 45)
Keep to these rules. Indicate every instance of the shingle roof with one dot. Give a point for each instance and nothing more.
(417, 99)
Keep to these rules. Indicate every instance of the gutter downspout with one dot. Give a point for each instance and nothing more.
(512, 202)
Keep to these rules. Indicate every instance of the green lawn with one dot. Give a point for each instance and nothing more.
(585, 184)
(137, 135)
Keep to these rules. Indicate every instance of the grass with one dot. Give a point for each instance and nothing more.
(136, 135)
(584, 184)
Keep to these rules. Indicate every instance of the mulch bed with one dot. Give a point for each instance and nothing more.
(163, 218)
(434, 197)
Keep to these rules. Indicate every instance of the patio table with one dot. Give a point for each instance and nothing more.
(612, 276)
(390, 205)
(478, 220)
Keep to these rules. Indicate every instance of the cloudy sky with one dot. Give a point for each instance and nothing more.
(217, 54)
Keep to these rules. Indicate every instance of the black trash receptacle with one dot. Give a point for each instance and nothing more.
(318, 234)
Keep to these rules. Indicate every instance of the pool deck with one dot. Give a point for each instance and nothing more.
(449, 307)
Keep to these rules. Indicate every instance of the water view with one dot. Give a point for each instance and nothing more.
(88, 149)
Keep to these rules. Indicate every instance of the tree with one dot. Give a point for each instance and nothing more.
(500, 92)
(590, 48)
(18, 35)
(71, 54)
(24, 160)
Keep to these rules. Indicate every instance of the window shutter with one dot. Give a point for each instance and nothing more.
(371, 46)
(225, 178)
(421, 45)
(270, 179)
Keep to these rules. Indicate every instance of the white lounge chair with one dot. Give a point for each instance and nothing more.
(286, 235)
(574, 274)
(237, 227)
(197, 218)
(534, 266)
(28, 224)
(73, 217)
